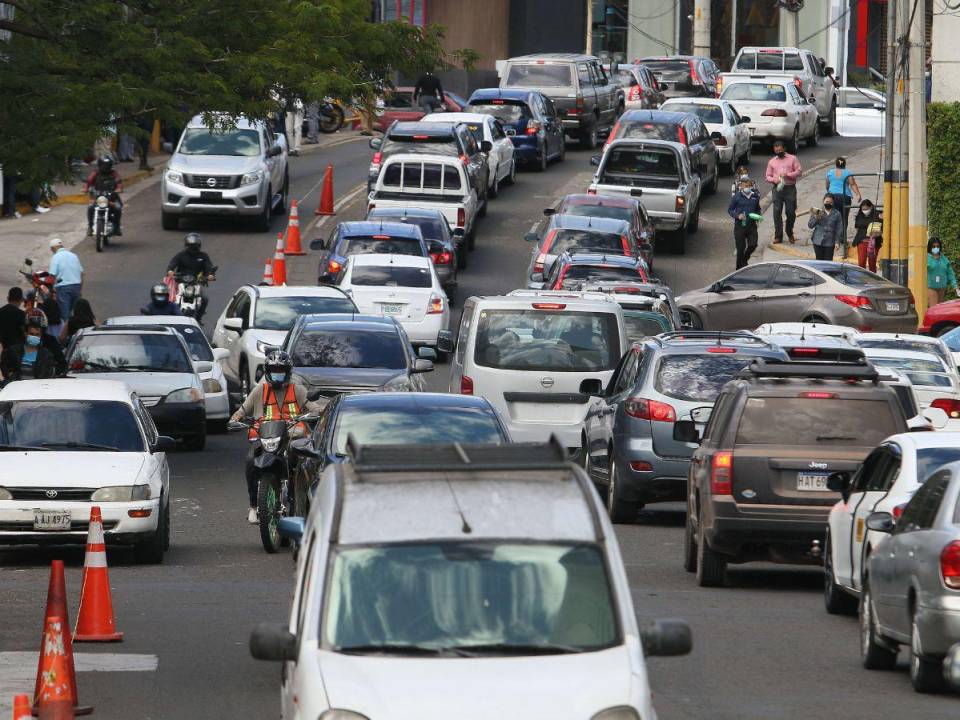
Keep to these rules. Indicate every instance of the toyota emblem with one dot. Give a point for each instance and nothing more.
(51, 494)
(211, 182)
(546, 382)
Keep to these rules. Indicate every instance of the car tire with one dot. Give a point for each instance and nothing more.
(926, 674)
(588, 137)
(265, 218)
(619, 510)
(245, 387)
(196, 443)
(472, 239)
(793, 144)
(748, 155)
(689, 544)
(694, 321)
(150, 552)
(731, 169)
(830, 127)
(494, 190)
(451, 292)
(711, 566)
(169, 221)
(512, 177)
(166, 528)
(814, 139)
(462, 256)
(694, 223)
(542, 160)
(873, 655)
(835, 600)
(482, 211)
(562, 155)
(711, 189)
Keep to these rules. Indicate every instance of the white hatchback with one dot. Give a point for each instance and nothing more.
(70, 444)
(503, 166)
(729, 130)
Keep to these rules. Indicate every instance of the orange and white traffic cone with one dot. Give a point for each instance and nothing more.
(21, 707)
(293, 232)
(268, 273)
(279, 263)
(326, 194)
(57, 685)
(95, 621)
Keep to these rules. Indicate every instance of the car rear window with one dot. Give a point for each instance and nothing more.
(391, 276)
(565, 240)
(416, 176)
(648, 131)
(540, 74)
(599, 211)
(577, 274)
(349, 349)
(547, 340)
(370, 245)
(670, 70)
(855, 277)
(639, 326)
(934, 348)
(929, 459)
(415, 425)
(707, 113)
(761, 92)
(828, 422)
(633, 162)
(921, 372)
(506, 111)
(698, 378)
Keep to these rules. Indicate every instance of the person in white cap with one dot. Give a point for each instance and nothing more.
(66, 268)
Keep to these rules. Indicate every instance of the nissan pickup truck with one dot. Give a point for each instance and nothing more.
(660, 174)
(801, 67)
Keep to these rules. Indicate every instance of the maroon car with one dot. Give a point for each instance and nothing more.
(398, 105)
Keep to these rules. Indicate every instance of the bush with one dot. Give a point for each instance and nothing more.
(943, 190)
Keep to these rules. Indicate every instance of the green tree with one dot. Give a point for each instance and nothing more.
(73, 69)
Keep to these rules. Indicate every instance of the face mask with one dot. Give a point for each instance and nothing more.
(781, 153)
(828, 206)
(33, 340)
(935, 251)
(865, 210)
(276, 378)
(193, 250)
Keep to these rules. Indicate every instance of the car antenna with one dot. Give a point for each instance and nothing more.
(465, 527)
(803, 332)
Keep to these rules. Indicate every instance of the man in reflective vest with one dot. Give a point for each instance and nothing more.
(275, 398)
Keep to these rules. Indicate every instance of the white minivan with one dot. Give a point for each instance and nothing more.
(537, 355)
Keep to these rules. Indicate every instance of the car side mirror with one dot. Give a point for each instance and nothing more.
(595, 160)
(292, 528)
(445, 341)
(201, 367)
(536, 277)
(486, 146)
(686, 431)
(270, 641)
(220, 354)
(717, 287)
(421, 365)
(274, 151)
(426, 353)
(666, 638)
(937, 417)
(744, 119)
(882, 522)
(591, 386)
(318, 244)
(531, 237)
(839, 482)
(716, 135)
(163, 443)
(880, 106)
(828, 70)
(303, 448)
(375, 143)
(547, 212)
(235, 324)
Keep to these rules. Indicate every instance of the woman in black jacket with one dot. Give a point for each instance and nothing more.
(866, 215)
(29, 361)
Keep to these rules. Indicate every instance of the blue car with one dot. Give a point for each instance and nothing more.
(529, 119)
(364, 237)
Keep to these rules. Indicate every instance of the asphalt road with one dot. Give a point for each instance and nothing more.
(764, 647)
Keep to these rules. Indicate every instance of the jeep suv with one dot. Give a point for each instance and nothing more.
(757, 487)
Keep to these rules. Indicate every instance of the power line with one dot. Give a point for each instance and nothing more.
(833, 22)
(669, 10)
(625, 18)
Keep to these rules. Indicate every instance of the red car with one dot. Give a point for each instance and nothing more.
(941, 318)
(398, 105)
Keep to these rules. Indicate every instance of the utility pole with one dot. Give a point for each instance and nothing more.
(917, 144)
(589, 49)
(701, 28)
(896, 206)
(792, 34)
(886, 252)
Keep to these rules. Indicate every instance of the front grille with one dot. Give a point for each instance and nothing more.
(62, 494)
(219, 182)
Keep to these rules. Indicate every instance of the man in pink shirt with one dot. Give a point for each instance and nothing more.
(783, 171)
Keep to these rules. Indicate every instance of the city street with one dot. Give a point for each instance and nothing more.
(763, 648)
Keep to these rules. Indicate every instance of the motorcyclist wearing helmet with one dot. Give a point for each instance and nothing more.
(105, 181)
(160, 302)
(193, 261)
(277, 397)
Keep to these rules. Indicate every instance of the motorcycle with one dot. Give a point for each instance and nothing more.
(331, 117)
(102, 224)
(189, 292)
(36, 278)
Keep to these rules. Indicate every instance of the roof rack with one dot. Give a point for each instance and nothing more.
(860, 370)
(716, 335)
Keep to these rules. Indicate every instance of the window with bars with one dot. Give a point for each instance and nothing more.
(412, 11)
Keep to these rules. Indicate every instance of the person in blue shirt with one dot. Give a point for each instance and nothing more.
(29, 361)
(160, 303)
(745, 201)
(66, 268)
(842, 185)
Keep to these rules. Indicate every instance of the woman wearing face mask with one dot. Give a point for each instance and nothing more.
(865, 217)
(745, 202)
(842, 185)
(29, 361)
(940, 275)
(827, 226)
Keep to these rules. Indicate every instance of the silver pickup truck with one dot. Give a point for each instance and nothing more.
(660, 173)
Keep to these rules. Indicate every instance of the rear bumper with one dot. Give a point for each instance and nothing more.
(179, 420)
(782, 533)
(569, 436)
(726, 153)
(525, 147)
(870, 320)
(780, 129)
(666, 481)
(666, 220)
(939, 625)
(425, 332)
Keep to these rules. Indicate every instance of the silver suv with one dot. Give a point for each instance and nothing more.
(236, 170)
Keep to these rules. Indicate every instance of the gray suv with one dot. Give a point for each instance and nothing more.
(629, 425)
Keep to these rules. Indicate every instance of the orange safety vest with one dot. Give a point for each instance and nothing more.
(272, 410)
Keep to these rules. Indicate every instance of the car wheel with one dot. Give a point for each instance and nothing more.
(542, 159)
(619, 509)
(793, 144)
(831, 127)
(731, 169)
(814, 139)
(940, 330)
(150, 552)
(689, 544)
(562, 155)
(266, 217)
(836, 601)
(494, 190)
(512, 177)
(873, 655)
(244, 380)
(169, 221)
(694, 224)
(926, 674)
(749, 154)
(166, 528)
(462, 256)
(715, 181)
(711, 566)
(196, 443)
(472, 239)
(588, 138)
(451, 292)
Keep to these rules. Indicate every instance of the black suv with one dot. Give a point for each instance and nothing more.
(757, 488)
(684, 75)
(434, 139)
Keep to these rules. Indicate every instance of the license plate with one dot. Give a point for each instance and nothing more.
(391, 309)
(210, 195)
(51, 519)
(892, 306)
(812, 481)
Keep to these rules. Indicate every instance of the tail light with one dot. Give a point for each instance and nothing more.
(694, 78)
(950, 565)
(461, 217)
(799, 83)
(370, 207)
(464, 159)
(720, 140)
(721, 474)
(682, 135)
(950, 406)
(592, 191)
(441, 258)
(719, 85)
(774, 112)
(333, 267)
(898, 510)
(854, 301)
(912, 301)
(548, 241)
(641, 466)
(549, 306)
(634, 93)
(816, 395)
(533, 127)
(436, 305)
(625, 241)
(539, 263)
(579, 103)
(653, 410)
(377, 158)
(803, 352)
(679, 203)
(466, 385)
(722, 349)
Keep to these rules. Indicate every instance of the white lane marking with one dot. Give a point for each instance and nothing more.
(319, 220)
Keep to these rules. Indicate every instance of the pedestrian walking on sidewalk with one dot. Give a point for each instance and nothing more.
(66, 268)
(293, 126)
(865, 237)
(827, 227)
(940, 276)
(842, 185)
(743, 204)
(783, 172)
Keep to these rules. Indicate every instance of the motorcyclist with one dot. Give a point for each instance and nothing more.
(193, 261)
(105, 181)
(160, 302)
(276, 397)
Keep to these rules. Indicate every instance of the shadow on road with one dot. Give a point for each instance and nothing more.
(785, 579)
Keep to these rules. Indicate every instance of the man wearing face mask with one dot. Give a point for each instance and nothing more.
(783, 171)
(29, 361)
(192, 261)
(940, 275)
(827, 226)
(744, 203)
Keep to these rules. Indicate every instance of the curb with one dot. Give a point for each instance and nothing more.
(82, 198)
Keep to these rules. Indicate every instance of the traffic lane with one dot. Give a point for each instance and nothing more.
(194, 612)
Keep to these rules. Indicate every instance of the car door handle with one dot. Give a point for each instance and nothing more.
(753, 297)
(805, 295)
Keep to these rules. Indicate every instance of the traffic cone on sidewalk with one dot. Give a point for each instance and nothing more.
(279, 263)
(57, 607)
(21, 707)
(57, 687)
(95, 618)
(293, 232)
(326, 194)
(268, 273)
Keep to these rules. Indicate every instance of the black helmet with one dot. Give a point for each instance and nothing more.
(159, 293)
(277, 368)
(191, 240)
(105, 164)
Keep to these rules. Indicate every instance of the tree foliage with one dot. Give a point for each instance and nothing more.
(943, 191)
(75, 68)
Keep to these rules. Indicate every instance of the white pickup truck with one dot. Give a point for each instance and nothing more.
(439, 182)
(801, 67)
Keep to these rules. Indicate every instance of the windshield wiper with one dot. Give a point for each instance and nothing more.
(93, 365)
(518, 649)
(395, 649)
(79, 446)
(15, 448)
(834, 437)
(147, 368)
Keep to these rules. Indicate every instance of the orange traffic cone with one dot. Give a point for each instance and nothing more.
(279, 263)
(293, 232)
(57, 607)
(268, 273)
(95, 618)
(57, 686)
(326, 195)
(21, 707)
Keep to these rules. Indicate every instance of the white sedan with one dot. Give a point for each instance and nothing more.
(503, 166)
(404, 287)
(860, 112)
(729, 130)
(936, 385)
(776, 109)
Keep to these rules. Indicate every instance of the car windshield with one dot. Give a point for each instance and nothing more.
(349, 349)
(506, 111)
(484, 598)
(698, 378)
(825, 421)
(544, 339)
(640, 325)
(648, 131)
(762, 92)
(708, 113)
(628, 163)
(934, 348)
(952, 339)
(540, 74)
(381, 245)
(624, 78)
(430, 228)
(203, 141)
(929, 459)
(599, 211)
(391, 276)
(416, 425)
(70, 425)
(279, 313)
(565, 240)
(577, 274)
(115, 352)
(196, 342)
(921, 372)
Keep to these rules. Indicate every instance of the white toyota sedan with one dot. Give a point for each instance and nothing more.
(777, 110)
(503, 166)
(730, 131)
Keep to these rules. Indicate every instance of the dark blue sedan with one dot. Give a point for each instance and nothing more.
(529, 119)
(362, 237)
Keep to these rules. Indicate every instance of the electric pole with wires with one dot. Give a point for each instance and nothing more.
(917, 148)
(701, 28)
(893, 259)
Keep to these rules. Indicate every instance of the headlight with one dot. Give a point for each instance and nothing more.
(264, 347)
(270, 444)
(102, 201)
(122, 493)
(5, 494)
(400, 382)
(175, 177)
(212, 386)
(251, 178)
(185, 395)
(342, 715)
(617, 713)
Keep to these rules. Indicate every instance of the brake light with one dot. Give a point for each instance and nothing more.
(694, 78)
(549, 306)
(679, 203)
(774, 112)
(721, 474)
(466, 385)
(683, 136)
(721, 349)
(441, 258)
(719, 85)
(950, 406)
(950, 565)
(497, 102)
(652, 410)
(898, 510)
(592, 191)
(539, 263)
(818, 395)
(421, 137)
(436, 305)
(625, 241)
(641, 466)
(380, 237)
(533, 127)
(377, 157)
(579, 102)
(798, 82)
(912, 301)
(461, 217)
(720, 141)
(804, 351)
(464, 159)
(854, 301)
(333, 267)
